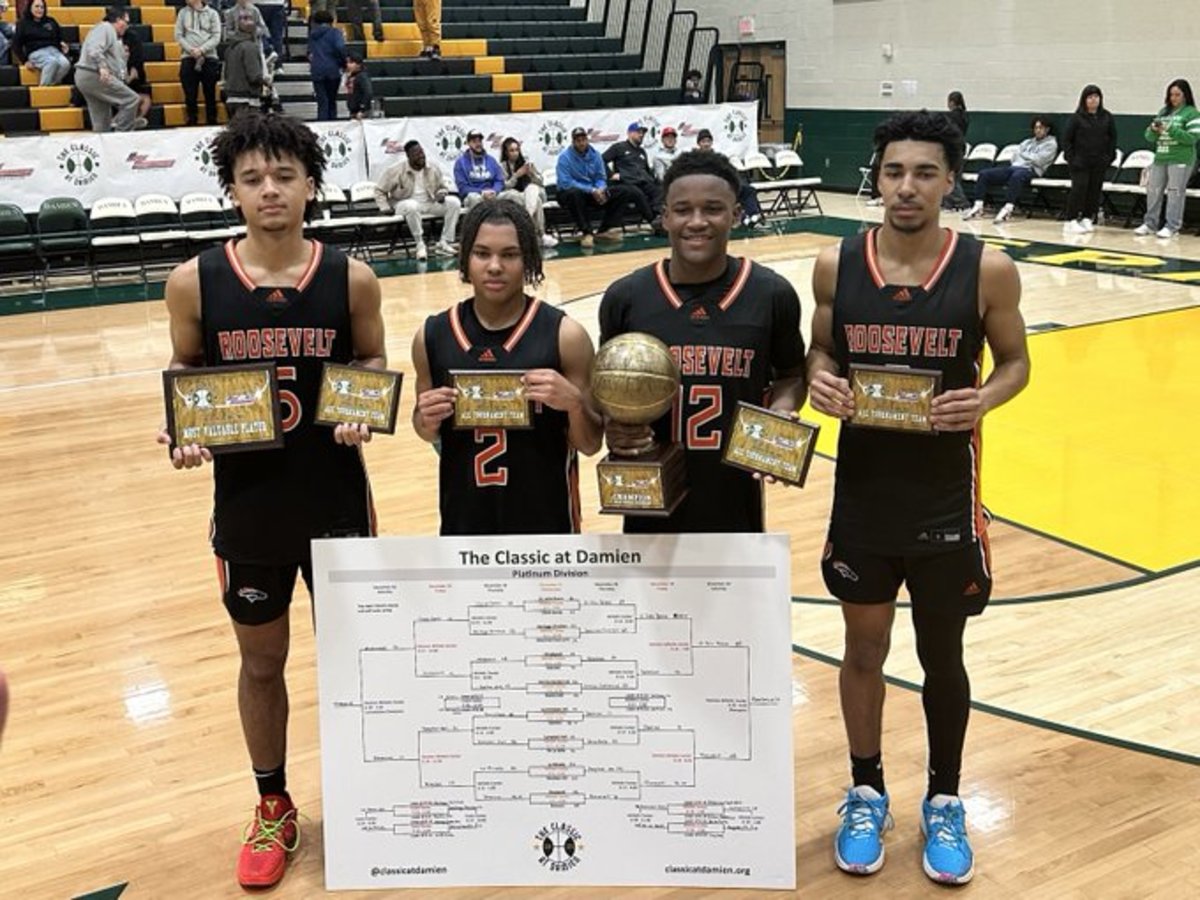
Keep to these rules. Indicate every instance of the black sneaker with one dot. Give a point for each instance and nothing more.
(435, 52)
(426, 53)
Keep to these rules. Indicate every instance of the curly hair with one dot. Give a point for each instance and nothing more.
(498, 211)
(923, 126)
(703, 162)
(273, 135)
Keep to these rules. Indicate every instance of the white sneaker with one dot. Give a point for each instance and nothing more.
(974, 212)
(549, 240)
(1075, 226)
(441, 248)
(1004, 214)
(1165, 232)
(1143, 230)
(1087, 225)
(422, 252)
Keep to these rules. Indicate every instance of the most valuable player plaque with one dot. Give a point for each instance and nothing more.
(894, 397)
(357, 396)
(771, 443)
(491, 399)
(224, 408)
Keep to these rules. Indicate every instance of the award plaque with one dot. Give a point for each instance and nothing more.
(490, 399)
(771, 443)
(354, 395)
(894, 397)
(224, 408)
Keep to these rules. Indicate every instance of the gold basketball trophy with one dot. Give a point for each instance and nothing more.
(634, 381)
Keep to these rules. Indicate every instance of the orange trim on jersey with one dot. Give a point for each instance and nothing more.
(316, 251)
(739, 282)
(576, 506)
(457, 329)
(939, 265)
(372, 520)
(522, 325)
(222, 574)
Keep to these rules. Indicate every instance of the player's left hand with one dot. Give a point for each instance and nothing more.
(958, 410)
(351, 435)
(552, 389)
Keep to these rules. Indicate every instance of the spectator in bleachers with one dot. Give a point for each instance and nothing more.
(668, 151)
(135, 70)
(956, 112)
(631, 166)
(476, 175)
(274, 13)
(1174, 133)
(100, 75)
(583, 185)
(244, 74)
(354, 11)
(239, 11)
(198, 34)
(428, 16)
(6, 35)
(692, 87)
(524, 182)
(1034, 156)
(327, 59)
(747, 196)
(1089, 144)
(416, 190)
(38, 41)
(359, 93)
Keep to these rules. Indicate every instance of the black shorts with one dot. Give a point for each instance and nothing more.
(957, 582)
(257, 594)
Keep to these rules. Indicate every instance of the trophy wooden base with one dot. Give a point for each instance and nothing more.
(652, 484)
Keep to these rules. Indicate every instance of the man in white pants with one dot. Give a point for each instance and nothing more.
(419, 190)
(100, 75)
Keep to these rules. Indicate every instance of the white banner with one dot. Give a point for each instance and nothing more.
(177, 161)
(556, 711)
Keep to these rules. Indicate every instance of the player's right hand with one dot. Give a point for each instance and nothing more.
(831, 395)
(435, 406)
(188, 456)
(627, 440)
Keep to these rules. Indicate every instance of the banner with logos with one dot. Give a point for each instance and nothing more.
(178, 161)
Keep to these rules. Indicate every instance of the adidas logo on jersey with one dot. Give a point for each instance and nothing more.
(276, 296)
(698, 314)
(971, 590)
(487, 355)
(904, 295)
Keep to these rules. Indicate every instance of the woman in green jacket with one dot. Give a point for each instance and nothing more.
(1174, 133)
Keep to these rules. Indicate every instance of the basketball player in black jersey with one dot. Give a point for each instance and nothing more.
(275, 296)
(493, 480)
(733, 327)
(907, 506)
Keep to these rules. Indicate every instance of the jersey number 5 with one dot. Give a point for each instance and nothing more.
(292, 410)
(496, 440)
(705, 403)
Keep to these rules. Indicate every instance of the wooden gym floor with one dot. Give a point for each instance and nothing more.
(124, 761)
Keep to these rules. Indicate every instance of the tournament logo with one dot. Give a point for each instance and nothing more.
(449, 142)
(653, 130)
(7, 171)
(79, 163)
(142, 161)
(735, 125)
(202, 156)
(552, 136)
(558, 845)
(336, 145)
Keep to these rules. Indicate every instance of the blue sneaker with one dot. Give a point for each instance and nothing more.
(858, 848)
(948, 858)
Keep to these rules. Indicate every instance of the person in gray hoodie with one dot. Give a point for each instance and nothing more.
(198, 34)
(100, 75)
(244, 72)
(1033, 158)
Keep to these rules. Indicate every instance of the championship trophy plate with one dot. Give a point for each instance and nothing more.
(354, 395)
(490, 399)
(771, 443)
(894, 397)
(634, 381)
(224, 408)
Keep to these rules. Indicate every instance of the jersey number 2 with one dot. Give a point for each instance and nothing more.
(496, 440)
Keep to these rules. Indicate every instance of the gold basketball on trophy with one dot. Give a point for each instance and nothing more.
(634, 378)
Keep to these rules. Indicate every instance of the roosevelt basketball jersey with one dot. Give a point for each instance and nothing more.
(730, 337)
(269, 504)
(902, 493)
(496, 480)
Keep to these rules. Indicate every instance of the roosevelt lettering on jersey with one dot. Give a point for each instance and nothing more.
(903, 340)
(266, 343)
(705, 359)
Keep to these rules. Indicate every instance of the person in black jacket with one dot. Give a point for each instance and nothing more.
(38, 43)
(358, 87)
(631, 166)
(1089, 143)
(956, 112)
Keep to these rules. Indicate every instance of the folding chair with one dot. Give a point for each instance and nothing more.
(115, 241)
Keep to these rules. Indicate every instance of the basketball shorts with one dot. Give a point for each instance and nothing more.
(255, 594)
(957, 582)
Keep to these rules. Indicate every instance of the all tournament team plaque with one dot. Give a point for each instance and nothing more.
(491, 399)
(354, 395)
(224, 408)
(771, 443)
(894, 397)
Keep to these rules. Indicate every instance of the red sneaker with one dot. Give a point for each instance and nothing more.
(270, 837)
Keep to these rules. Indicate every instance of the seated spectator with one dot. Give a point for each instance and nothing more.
(1034, 157)
(198, 34)
(327, 59)
(100, 75)
(6, 35)
(476, 175)
(358, 87)
(38, 41)
(668, 151)
(135, 71)
(417, 190)
(631, 167)
(524, 182)
(244, 74)
(692, 87)
(582, 186)
(747, 195)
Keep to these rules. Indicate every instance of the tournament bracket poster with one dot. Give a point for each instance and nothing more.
(567, 710)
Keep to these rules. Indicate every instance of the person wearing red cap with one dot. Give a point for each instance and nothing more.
(667, 151)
